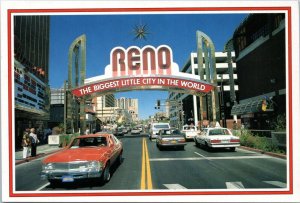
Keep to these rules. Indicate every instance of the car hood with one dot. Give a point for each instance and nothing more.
(78, 154)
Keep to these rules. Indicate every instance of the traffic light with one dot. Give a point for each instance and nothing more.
(158, 104)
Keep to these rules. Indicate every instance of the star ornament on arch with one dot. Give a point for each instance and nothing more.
(140, 32)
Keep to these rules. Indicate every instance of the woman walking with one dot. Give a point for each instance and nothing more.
(26, 144)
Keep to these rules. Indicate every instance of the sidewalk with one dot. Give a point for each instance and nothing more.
(42, 150)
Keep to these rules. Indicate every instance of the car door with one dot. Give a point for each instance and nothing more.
(116, 147)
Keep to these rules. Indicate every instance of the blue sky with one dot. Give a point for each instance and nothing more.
(104, 32)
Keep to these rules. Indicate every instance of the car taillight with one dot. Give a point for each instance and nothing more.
(234, 140)
(215, 141)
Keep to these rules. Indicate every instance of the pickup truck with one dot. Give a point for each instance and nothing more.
(189, 131)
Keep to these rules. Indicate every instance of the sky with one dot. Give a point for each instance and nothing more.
(104, 32)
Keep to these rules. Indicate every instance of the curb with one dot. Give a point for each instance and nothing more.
(18, 162)
(281, 156)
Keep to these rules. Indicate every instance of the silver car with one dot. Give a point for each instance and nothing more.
(170, 138)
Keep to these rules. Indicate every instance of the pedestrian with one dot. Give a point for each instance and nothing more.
(26, 144)
(34, 141)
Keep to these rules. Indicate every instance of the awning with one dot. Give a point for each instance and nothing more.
(252, 106)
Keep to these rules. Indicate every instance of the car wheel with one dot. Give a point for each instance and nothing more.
(53, 183)
(159, 147)
(106, 174)
(207, 147)
(120, 158)
(197, 143)
(232, 149)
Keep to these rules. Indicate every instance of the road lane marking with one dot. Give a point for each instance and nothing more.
(201, 155)
(148, 168)
(211, 158)
(42, 187)
(175, 187)
(146, 178)
(234, 185)
(276, 183)
(143, 180)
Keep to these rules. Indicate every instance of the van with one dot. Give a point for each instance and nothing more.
(155, 127)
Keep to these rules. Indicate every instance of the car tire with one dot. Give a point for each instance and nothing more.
(53, 183)
(197, 143)
(106, 174)
(207, 147)
(159, 147)
(232, 149)
(120, 159)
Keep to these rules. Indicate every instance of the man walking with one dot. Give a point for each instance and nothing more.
(34, 141)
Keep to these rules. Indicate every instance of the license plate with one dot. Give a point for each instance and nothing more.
(225, 141)
(174, 142)
(67, 178)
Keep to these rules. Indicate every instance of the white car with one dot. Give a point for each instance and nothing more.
(217, 138)
(156, 127)
(135, 131)
(189, 131)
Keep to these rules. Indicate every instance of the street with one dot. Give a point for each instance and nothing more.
(146, 167)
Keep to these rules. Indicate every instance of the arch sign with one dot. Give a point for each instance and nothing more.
(139, 69)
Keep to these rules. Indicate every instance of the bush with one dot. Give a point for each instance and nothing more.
(56, 130)
(247, 139)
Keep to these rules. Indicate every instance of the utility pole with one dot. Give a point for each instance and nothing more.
(65, 107)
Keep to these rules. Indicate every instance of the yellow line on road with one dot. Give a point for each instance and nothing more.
(146, 169)
(143, 180)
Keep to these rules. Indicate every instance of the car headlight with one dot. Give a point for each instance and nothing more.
(48, 167)
(94, 166)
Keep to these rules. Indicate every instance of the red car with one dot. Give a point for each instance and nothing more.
(86, 157)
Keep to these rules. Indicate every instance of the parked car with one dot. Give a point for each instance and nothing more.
(156, 127)
(86, 157)
(135, 131)
(217, 138)
(170, 138)
(189, 131)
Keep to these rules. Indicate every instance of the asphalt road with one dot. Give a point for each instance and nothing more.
(146, 167)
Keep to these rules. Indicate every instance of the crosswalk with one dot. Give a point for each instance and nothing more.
(230, 185)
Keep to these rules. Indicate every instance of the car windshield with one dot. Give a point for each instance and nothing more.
(89, 142)
(219, 132)
(161, 126)
(169, 132)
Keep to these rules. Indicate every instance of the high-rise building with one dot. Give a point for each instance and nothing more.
(105, 108)
(187, 112)
(130, 105)
(260, 46)
(57, 104)
(31, 68)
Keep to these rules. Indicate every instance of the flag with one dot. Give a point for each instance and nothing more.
(264, 105)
